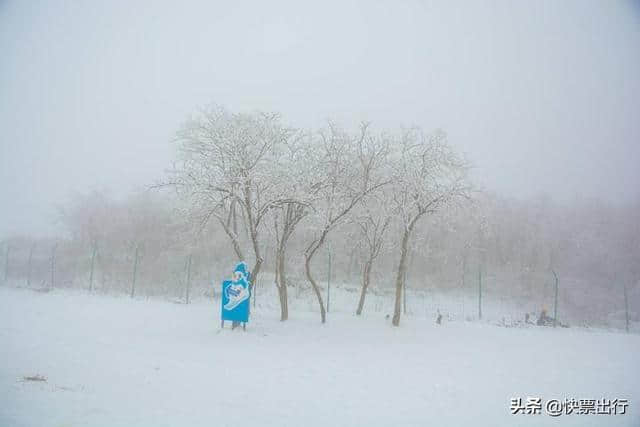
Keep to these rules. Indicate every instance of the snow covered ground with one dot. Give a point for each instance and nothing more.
(114, 361)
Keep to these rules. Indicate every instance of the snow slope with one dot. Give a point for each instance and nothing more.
(113, 361)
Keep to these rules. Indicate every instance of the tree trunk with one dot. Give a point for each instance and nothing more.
(256, 268)
(252, 224)
(290, 218)
(365, 285)
(404, 292)
(402, 268)
(314, 285)
(281, 284)
(329, 279)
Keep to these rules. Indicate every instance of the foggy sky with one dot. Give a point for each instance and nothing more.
(543, 96)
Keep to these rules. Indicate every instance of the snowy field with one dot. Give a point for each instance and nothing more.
(114, 361)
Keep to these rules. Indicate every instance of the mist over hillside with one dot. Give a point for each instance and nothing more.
(341, 213)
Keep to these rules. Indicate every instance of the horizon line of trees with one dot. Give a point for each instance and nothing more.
(591, 243)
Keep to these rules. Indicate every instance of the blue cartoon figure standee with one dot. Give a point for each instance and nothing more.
(235, 296)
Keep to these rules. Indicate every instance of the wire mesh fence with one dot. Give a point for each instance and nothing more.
(186, 274)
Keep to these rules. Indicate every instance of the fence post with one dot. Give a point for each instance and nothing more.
(555, 300)
(329, 278)
(626, 307)
(29, 264)
(188, 277)
(135, 270)
(53, 264)
(6, 263)
(93, 258)
(464, 270)
(480, 293)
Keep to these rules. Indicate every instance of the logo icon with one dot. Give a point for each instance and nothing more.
(236, 294)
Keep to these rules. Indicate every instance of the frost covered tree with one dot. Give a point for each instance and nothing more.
(427, 177)
(294, 184)
(373, 221)
(345, 170)
(227, 169)
(374, 215)
(285, 220)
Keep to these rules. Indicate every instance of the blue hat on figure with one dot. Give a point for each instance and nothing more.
(242, 269)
